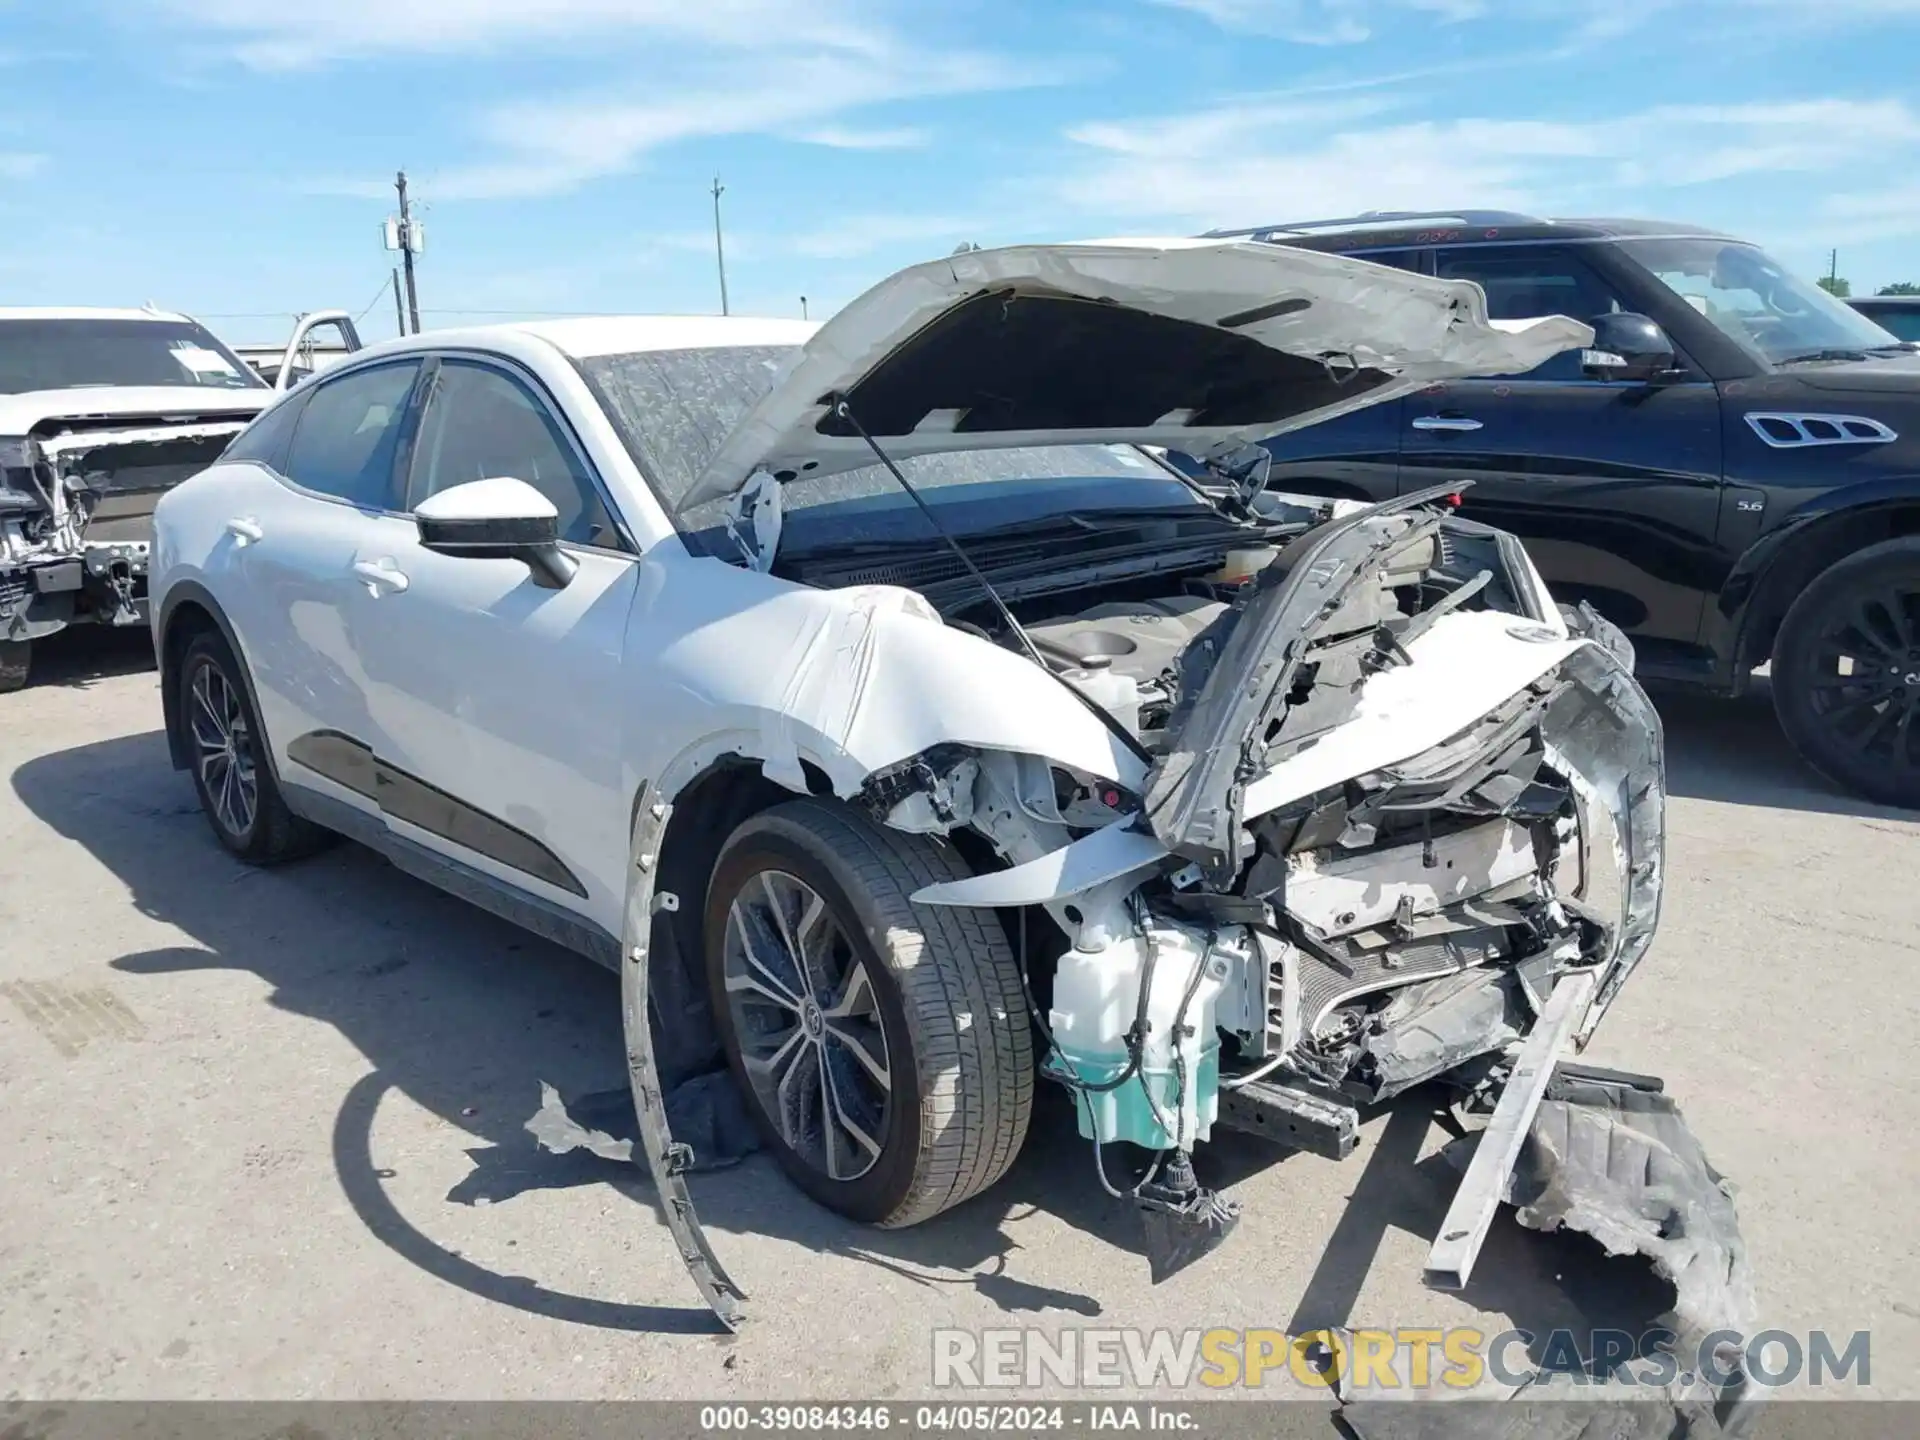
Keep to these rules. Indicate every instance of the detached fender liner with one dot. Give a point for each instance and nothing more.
(667, 1160)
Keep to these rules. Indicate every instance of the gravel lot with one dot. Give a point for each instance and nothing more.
(263, 1129)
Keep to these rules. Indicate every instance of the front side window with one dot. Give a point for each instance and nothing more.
(480, 424)
(1531, 284)
(84, 353)
(1754, 300)
(345, 441)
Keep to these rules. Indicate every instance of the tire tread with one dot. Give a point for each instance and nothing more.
(977, 1075)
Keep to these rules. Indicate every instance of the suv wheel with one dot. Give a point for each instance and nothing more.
(885, 1046)
(1846, 673)
(16, 657)
(235, 782)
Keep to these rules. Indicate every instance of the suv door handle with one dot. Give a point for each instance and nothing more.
(245, 530)
(1450, 424)
(380, 575)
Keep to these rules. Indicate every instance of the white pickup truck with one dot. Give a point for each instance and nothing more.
(101, 412)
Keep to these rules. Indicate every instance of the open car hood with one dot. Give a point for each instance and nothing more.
(1200, 346)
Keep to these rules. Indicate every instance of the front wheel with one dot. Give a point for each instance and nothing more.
(1846, 673)
(885, 1045)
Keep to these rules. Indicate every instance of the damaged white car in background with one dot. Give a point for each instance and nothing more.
(903, 730)
(101, 412)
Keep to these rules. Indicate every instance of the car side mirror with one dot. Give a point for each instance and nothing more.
(1629, 347)
(498, 519)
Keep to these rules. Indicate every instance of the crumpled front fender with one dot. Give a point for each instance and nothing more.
(856, 680)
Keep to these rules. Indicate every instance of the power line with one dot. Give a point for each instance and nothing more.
(371, 303)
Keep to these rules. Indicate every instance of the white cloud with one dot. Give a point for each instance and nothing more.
(801, 70)
(858, 235)
(1349, 22)
(846, 137)
(1321, 22)
(1865, 216)
(273, 34)
(1262, 161)
(546, 147)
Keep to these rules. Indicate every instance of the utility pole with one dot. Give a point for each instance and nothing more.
(719, 250)
(399, 315)
(408, 245)
(1833, 268)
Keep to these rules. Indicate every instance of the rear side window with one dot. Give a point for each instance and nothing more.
(1397, 259)
(344, 443)
(264, 442)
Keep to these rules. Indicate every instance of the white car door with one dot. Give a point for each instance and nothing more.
(497, 699)
(284, 569)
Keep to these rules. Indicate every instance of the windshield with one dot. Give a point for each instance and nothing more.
(1755, 300)
(83, 353)
(673, 408)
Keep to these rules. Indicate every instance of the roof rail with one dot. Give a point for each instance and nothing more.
(1378, 219)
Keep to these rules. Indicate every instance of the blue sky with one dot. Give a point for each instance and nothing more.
(234, 158)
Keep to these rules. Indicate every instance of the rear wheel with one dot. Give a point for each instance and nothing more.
(884, 1046)
(16, 658)
(228, 752)
(1846, 673)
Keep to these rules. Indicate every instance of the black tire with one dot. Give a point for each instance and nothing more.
(16, 659)
(1857, 722)
(947, 1003)
(262, 831)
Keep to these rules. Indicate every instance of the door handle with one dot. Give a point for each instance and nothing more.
(1448, 424)
(245, 530)
(380, 575)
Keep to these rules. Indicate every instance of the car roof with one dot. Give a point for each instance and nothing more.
(1436, 227)
(1892, 302)
(584, 337)
(87, 312)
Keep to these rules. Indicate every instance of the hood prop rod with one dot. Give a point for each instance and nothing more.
(837, 405)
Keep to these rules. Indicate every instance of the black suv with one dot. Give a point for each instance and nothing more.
(1898, 315)
(1731, 474)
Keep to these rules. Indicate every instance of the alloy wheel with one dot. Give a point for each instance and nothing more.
(808, 1024)
(223, 750)
(1865, 689)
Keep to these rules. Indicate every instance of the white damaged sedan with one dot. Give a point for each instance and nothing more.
(904, 728)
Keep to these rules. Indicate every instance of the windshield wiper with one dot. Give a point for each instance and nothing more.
(1208, 525)
(1822, 355)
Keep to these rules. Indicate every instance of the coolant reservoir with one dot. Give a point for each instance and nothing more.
(1118, 695)
(1095, 994)
(1240, 566)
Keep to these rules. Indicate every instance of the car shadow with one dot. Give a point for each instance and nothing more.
(1735, 752)
(463, 1015)
(85, 654)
